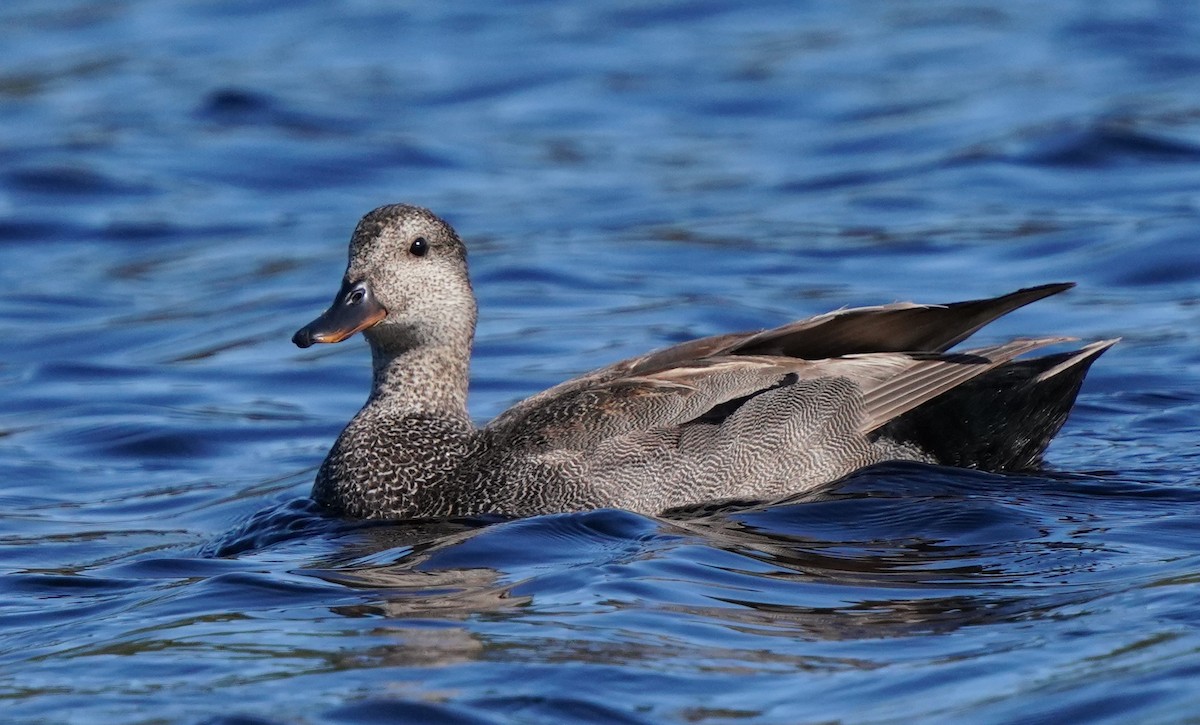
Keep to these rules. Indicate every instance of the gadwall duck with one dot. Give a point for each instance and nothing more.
(752, 415)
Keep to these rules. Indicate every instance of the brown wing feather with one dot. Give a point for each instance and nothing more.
(683, 382)
(897, 327)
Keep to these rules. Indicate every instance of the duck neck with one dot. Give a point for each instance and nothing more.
(414, 375)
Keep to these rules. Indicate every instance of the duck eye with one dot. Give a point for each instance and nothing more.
(356, 296)
(419, 247)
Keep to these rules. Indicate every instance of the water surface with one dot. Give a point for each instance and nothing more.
(177, 184)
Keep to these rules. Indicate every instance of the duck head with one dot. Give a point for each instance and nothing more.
(405, 285)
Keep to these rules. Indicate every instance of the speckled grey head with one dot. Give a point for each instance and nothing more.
(405, 285)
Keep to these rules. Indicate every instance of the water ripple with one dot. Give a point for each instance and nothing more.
(177, 185)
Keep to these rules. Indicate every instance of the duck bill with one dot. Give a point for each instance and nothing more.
(353, 310)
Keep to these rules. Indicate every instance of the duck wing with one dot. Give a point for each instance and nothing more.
(896, 327)
(592, 410)
(893, 328)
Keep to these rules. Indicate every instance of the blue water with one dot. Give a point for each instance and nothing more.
(177, 184)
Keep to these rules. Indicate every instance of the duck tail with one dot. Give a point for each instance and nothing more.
(1002, 420)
